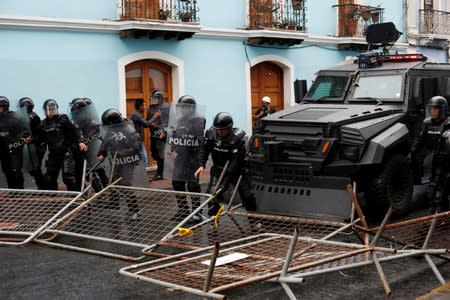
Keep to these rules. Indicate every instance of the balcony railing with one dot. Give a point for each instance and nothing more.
(165, 10)
(277, 14)
(353, 19)
(434, 22)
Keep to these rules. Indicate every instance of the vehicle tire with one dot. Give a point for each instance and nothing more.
(393, 186)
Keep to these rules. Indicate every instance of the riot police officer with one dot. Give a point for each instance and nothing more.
(185, 141)
(158, 113)
(34, 151)
(85, 117)
(13, 135)
(226, 143)
(63, 141)
(431, 142)
(122, 143)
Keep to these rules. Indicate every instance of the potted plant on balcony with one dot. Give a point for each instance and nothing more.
(365, 14)
(164, 14)
(186, 16)
(289, 24)
(354, 14)
(297, 4)
(375, 17)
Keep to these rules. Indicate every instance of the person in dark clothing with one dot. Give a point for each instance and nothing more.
(13, 135)
(34, 150)
(121, 143)
(225, 143)
(64, 143)
(158, 113)
(432, 142)
(84, 116)
(262, 112)
(140, 123)
(265, 109)
(185, 141)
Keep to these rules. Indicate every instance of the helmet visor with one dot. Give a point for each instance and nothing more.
(51, 109)
(157, 98)
(436, 112)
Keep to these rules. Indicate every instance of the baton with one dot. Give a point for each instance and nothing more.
(93, 168)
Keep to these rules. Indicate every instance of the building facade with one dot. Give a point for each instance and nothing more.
(228, 54)
(428, 28)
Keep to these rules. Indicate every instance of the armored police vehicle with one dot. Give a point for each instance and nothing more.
(356, 124)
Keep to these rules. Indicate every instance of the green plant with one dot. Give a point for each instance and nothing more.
(164, 14)
(186, 16)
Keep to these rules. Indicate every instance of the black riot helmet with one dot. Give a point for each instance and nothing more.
(50, 107)
(186, 104)
(111, 116)
(157, 97)
(222, 120)
(4, 103)
(26, 102)
(186, 99)
(77, 104)
(88, 101)
(439, 103)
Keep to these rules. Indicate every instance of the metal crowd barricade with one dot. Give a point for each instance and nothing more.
(244, 261)
(104, 224)
(237, 224)
(24, 214)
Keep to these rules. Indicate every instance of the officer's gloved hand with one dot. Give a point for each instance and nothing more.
(223, 187)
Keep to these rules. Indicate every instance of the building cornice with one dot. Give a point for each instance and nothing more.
(113, 26)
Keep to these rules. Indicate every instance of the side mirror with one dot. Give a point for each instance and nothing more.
(300, 90)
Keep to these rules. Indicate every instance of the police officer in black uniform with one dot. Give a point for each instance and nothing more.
(86, 120)
(226, 143)
(159, 114)
(122, 141)
(35, 149)
(186, 141)
(64, 143)
(431, 142)
(13, 135)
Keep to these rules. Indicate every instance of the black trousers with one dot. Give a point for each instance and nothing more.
(244, 189)
(11, 163)
(157, 148)
(193, 187)
(56, 162)
(126, 171)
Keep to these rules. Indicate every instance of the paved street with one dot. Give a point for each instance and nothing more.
(38, 272)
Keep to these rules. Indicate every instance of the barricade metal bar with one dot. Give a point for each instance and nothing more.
(125, 216)
(237, 224)
(29, 212)
(261, 260)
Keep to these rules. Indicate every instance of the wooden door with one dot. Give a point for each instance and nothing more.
(142, 78)
(267, 80)
(347, 24)
(141, 9)
(261, 13)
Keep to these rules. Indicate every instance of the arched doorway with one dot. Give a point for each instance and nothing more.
(141, 79)
(267, 80)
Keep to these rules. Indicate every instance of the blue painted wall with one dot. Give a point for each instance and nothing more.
(79, 9)
(321, 17)
(223, 14)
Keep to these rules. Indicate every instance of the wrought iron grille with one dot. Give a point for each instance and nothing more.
(164, 10)
(277, 14)
(434, 22)
(353, 19)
